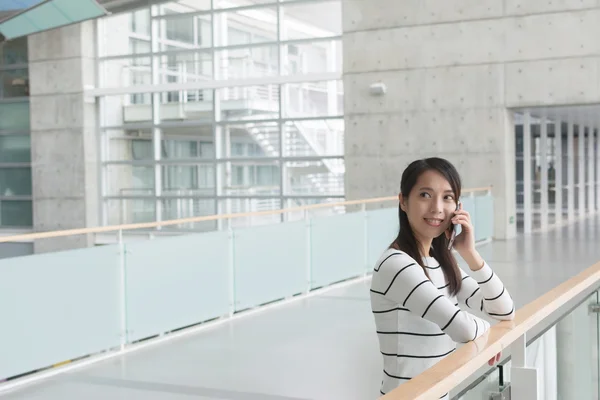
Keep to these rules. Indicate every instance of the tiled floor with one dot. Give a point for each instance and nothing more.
(322, 347)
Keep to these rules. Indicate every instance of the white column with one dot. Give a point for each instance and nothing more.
(558, 184)
(544, 172)
(571, 171)
(591, 156)
(581, 169)
(524, 380)
(527, 186)
(597, 144)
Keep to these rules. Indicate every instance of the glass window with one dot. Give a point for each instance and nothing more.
(14, 83)
(15, 148)
(247, 26)
(323, 137)
(15, 182)
(311, 20)
(14, 116)
(313, 99)
(16, 213)
(249, 102)
(188, 180)
(252, 62)
(140, 22)
(325, 177)
(14, 52)
(254, 139)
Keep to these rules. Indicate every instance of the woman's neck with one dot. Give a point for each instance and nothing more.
(425, 246)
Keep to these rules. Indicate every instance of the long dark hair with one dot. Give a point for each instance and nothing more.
(406, 241)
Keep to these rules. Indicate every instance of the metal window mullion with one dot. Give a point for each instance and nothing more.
(544, 172)
(581, 169)
(156, 131)
(527, 182)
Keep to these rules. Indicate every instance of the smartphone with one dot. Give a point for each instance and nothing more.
(455, 228)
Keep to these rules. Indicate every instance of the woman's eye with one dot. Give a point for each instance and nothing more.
(425, 195)
(449, 197)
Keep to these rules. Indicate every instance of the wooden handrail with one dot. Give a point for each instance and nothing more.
(149, 225)
(452, 370)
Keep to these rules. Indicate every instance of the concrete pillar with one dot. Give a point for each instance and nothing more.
(63, 134)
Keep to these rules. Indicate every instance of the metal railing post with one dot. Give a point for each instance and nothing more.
(524, 380)
(122, 288)
(307, 225)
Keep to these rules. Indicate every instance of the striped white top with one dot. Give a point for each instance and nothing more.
(418, 322)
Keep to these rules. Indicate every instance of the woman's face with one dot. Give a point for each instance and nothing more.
(430, 206)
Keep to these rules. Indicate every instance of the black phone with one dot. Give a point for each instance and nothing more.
(455, 228)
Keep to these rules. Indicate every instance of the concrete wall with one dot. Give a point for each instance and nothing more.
(63, 134)
(453, 69)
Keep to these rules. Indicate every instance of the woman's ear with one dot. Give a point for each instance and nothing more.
(402, 200)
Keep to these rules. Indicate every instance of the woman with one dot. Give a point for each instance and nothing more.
(417, 284)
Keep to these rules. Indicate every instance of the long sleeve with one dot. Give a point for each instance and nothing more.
(402, 280)
(484, 291)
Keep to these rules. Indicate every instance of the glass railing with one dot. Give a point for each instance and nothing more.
(565, 356)
(550, 351)
(71, 304)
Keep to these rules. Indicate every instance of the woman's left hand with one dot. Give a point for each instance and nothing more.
(464, 243)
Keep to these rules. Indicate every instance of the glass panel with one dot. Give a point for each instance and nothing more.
(14, 83)
(188, 180)
(184, 31)
(260, 139)
(251, 178)
(15, 182)
(134, 108)
(249, 102)
(313, 99)
(163, 295)
(16, 213)
(186, 67)
(252, 62)
(188, 142)
(186, 105)
(130, 180)
(232, 206)
(304, 201)
(382, 229)
(187, 208)
(240, 3)
(15, 148)
(126, 72)
(247, 26)
(259, 276)
(129, 145)
(131, 211)
(140, 22)
(337, 248)
(14, 52)
(484, 217)
(314, 138)
(80, 304)
(320, 177)
(184, 6)
(14, 117)
(311, 20)
(312, 58)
